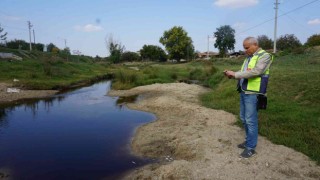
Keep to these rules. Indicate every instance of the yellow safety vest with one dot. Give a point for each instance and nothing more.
(256, 84)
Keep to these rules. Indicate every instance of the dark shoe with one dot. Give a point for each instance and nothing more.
(242, 145)
(247, 153)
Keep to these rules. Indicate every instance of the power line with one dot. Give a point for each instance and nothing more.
(298, 8)
(15, 28)
(278, 16)
(300, 25)
(256, 25)
(253, 13)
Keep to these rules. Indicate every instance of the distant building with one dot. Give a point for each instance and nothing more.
(9, 56)
(236, 54)
(203, 55)
(45, 48)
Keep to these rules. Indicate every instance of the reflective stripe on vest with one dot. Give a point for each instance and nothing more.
(256, 84)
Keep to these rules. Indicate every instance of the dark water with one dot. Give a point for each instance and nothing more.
(82, 134)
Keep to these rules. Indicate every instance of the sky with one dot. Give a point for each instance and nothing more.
(84, 25)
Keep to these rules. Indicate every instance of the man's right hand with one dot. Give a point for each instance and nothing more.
(228, 73)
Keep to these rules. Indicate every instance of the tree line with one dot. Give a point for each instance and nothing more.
(225, 40)
(176, 41)
(23, 45)
(178, 45)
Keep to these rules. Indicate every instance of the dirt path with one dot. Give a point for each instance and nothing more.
(23, 94)
(200, 143)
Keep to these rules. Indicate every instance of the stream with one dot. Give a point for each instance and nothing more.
(80, 134)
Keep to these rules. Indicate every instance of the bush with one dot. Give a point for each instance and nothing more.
(299, 50)
(174, 76)
(129, 56)
(313, 40)
(126, 77)
(153, 53)
(196, 74)
(47, 68)
(288, 42)
(18, 44)
(210, 70)
(214, 80)
(265, 42)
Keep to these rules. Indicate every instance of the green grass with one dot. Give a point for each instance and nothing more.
(50, 71)
(33, 74)
(126, 78)
(293, 115)
(292, 118)
(202, 71)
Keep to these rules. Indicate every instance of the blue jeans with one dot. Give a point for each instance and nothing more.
(249, 118)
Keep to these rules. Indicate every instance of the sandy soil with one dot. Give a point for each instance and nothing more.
(23, 94)
(195, 142)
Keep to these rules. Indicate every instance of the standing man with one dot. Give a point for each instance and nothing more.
(252, 82)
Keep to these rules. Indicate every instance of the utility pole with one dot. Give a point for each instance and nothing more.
(65, 47)
(34, 38)
(275, 28)
(65, 43)
(29, 26)
(208, 47)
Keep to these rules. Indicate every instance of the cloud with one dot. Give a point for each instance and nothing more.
(314, 22)
(88, 28)
(239, 25)
(12, 18)
(211, 39)
(235, 3)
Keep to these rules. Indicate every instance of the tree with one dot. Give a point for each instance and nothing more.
(38, 46)
(313, 40)
(18, 44)
(153, 53)
(98, 58)
(55, 50)
(129, 56)
(224, 39)
(3, 36)
(66, 51)
(288, 42)
(52, 48)
(115, 49)
(265, 42)
(177, 43)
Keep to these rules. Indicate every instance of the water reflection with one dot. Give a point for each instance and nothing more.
(123, 100)
(31, 105)
(3, 119)
(81, 134)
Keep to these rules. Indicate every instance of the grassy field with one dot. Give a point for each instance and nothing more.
(293, 115)
(292, 118)
(50, 71)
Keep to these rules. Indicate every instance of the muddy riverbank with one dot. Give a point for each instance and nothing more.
(196, 142)
(7, 97)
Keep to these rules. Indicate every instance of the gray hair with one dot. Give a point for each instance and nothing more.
(251, 40)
